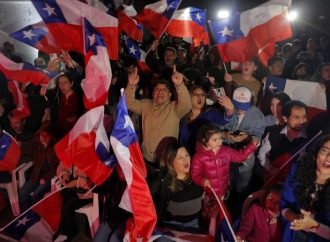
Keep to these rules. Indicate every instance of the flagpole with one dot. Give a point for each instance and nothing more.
(21, 215)
(224, 214)
(166, 25)
(291, 158)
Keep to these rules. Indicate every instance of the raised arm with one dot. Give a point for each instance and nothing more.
(183, 104)
(133, 104)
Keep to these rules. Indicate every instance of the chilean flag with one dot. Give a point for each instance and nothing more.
(98, 70)
(22, 106)
(311, 93)
(129, 25)
(63, 19)
(10, 152)
(156, 16)
(136, 198)
(189, 23)
(23, 72)
(87, 147)
(244, 36)
(138, 54)
(39, 223)
(38, 36)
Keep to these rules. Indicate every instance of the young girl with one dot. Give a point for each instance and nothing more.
(211, 163)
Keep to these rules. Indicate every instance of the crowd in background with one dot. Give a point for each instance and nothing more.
(200, 128)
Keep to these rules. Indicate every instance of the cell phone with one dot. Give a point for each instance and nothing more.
(53, 56)
(221, 91)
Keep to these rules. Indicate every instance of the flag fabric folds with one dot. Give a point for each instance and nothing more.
(22, 106)
(315, 99)
(10, 152)
(189, 23)
(64, 20)
(136, 198)
(129, 25)
(23, 72)
(138, 54)
(243, 36)
(156, 16)
(38, 36)
(86, 146)
(38, 224)
(98, 70)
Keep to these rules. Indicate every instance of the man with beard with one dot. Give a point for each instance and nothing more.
(281, 142)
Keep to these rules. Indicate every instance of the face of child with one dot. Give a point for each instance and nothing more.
(214, 142)
(272, 202)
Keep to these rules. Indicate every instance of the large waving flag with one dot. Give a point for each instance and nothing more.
(87, 147)
(189, 23)
(244, 36)
(314, 98)
(98, 71)
(128, 24)
(22, 106)
(138, 54)
(23, 72)
(64, 20)
(10, 152)
(136, 198)
(38, 36)
(156, 16)
(38, 224)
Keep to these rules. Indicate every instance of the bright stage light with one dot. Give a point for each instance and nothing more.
(223, 14)
(292, 15)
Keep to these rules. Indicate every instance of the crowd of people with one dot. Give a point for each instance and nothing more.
(201, 129)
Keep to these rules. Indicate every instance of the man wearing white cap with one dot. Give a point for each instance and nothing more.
(247, 121)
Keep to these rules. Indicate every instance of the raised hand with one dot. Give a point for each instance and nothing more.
(177, 77)
(133, 77)
(227, 104)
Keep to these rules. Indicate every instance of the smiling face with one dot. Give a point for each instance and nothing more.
(161, 94)
(323, 160)
(181, 163)
(198, 98)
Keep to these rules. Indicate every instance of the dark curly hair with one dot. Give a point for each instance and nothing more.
(305, 179)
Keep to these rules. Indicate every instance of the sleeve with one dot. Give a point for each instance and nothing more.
(247, 223)
(133, 104)
(197, 171)
(183, 104)
(263, 153)
(53, 163)
(241, 155)
(288, 198)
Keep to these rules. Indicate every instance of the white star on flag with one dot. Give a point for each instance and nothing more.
(22, 221)
(28, 34)
(169, 7)
(272, 87)
(3, 146)
(199, 17)
(128, 123)
(226, 31)
(49, 10)
(91, 40)
(132, 50)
